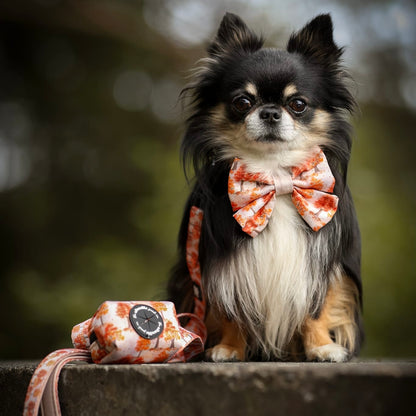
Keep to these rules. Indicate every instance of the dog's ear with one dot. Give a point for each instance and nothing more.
(234, 35)
(315, 41)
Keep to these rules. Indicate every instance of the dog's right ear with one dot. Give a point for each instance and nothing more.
(234, 35)
(315, 41)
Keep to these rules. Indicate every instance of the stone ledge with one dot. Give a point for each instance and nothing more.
(356, 388)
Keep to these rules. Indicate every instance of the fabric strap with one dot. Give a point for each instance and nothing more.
(43, 388)
(196, 323)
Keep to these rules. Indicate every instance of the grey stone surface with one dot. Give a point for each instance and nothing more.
(356, 388)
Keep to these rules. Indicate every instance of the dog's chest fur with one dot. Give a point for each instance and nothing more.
(273, 281)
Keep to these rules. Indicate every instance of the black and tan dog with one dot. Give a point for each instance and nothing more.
(294, 290)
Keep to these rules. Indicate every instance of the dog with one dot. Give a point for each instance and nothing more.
(283, 284)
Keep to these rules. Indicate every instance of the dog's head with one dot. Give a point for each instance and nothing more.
(266, 103)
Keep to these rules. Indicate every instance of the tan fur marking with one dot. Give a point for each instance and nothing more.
(251, 89)
(218, 116)
(232, 346)
(337, 315)
(321, 121)
(342, 317)
(289, 90)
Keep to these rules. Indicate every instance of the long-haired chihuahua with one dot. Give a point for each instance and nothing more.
(269, 140)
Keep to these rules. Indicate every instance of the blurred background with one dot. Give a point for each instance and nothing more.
(91, 186)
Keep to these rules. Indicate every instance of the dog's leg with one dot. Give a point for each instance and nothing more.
(338, 316)
(232, 346)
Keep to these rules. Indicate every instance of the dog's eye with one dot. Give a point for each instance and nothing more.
(242, 104)
(297, 105)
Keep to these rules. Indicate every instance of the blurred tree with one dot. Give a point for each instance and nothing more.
(91, 186)
(382, 177)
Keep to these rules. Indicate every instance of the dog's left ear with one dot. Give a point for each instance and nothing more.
(315, 41)
(234, 36)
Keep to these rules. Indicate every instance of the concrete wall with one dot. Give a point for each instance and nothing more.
(357, 388)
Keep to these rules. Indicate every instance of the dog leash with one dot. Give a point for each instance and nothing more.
(156, 323)
(192, 259)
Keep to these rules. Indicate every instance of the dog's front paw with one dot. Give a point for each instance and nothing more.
(330, 352)
(222, 353)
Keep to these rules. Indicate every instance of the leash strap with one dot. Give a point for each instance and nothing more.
(43, 388)
(196, 323)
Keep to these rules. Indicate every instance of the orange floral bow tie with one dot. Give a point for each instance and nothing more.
(253, 195)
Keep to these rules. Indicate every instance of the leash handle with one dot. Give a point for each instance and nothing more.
(43, 388)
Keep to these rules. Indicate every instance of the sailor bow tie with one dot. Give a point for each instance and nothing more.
(253, 194)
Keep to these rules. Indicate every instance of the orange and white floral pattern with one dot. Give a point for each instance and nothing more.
(253, 194)
(109, 337)
(196, 321)
(46, 375)
(116, 341)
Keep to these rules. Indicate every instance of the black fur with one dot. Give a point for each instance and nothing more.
(312, 60)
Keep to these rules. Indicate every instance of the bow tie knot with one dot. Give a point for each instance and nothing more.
(253, 194)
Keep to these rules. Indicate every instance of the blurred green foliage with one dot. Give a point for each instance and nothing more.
(91, 185)
(382, 178)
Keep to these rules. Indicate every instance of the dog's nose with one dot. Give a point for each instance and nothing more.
(270, 114)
